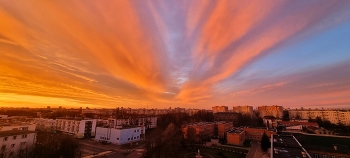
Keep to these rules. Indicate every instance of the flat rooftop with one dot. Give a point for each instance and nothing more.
(14, 132)
(235, 130)
(285, 146)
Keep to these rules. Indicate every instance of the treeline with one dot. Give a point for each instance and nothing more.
(18, 113)
(341, 129)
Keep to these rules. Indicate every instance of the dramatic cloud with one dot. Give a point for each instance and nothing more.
(165, 53)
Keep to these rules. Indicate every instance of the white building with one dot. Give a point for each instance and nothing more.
(80, 128)
(334, 116)
(148, 122)
(42, 124)
(118, 136)
(13, 143)
(3, 116)
(19, 126)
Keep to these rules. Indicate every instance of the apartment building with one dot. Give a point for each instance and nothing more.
(228, 117)
(15, 139)
(222, 127)
(118, 135)
(217, 109)
(148, 122)
(80, 128)
(274, 110)
(13, 143)
(17, 126)
(235, 136)
(47, 125)
(245, 110)
(256, 133)
(202, 129)
(334, 116)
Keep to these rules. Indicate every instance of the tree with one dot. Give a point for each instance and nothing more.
(191, 136)
(285, 116)
(265, 142)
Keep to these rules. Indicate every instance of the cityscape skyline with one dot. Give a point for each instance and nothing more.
(161, 54)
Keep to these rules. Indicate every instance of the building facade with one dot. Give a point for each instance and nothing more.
(217, 109)
(118, 135)
(200, 129)
(228, 117)
(80, 128)
(245, 110)
(223, 127)
(334, 116)
(256, 133)
(235, 136)
(14, 143)
(274, 110)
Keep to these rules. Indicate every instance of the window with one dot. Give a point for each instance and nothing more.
(5, 138)
(332, 156)
(134, 137)
(23, 143)
(324, 156)
(24, 128)
(137, 137)
(24, 136)
(12, 145)
(128, 138)
(11, 154)
(14, 137)
(117, 138)
(316, 156)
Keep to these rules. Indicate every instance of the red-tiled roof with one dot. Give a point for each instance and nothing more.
(293, 123)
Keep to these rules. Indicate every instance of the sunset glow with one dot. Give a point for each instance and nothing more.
(161, 54)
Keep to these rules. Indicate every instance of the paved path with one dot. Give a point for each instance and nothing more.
(253, 150)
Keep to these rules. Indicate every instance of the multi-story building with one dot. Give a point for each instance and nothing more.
(118, 135)
(245, 110)
(228, 117)
(235, 136)
(148, 122)
(200, 129)
(18, 126)
(217, 109)
(41, 124)
(256, 133)
(222, 127)
(334, 116)
(80, 128)
(14, 143)
(274, 110)
(16, 139)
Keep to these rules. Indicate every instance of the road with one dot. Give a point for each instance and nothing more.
(253, 152)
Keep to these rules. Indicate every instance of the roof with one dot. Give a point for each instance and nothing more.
(286, 146)
(14, 132)
(293, 123)
(324, 143)
(235, 130)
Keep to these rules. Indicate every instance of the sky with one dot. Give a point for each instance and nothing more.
(175, 53)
